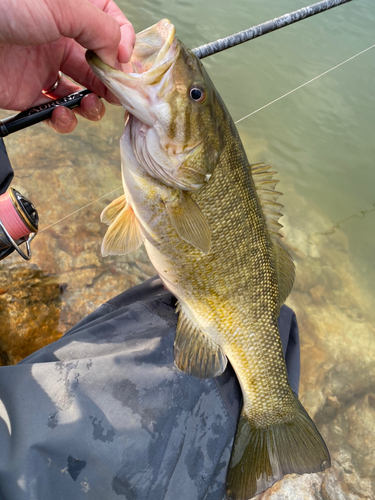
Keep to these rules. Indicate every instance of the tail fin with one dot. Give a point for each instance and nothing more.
(263, 455)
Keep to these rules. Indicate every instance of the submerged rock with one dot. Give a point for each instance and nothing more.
(30, 305)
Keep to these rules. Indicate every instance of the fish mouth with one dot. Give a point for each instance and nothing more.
(154, 53)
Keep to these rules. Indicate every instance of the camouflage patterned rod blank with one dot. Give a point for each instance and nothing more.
(264, 28)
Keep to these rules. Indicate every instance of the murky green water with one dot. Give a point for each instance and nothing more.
(320, 139)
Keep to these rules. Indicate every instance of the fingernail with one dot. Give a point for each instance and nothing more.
(95, 112)
(65, 123)
(64, 119)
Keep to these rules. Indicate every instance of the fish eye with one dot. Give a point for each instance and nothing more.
(197, 93)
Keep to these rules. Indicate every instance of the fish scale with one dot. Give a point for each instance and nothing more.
(209, 222)
(239, 258)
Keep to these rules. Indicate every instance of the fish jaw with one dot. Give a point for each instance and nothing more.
(174, 138)
(155, 51)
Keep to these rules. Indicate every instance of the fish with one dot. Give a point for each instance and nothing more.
(209, 222)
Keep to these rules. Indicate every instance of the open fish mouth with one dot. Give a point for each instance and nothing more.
(147, 94)
(152, 48)
(154, 53)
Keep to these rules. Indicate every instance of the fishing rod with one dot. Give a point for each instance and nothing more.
(42, 112)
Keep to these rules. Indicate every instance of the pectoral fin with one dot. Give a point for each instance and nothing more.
(123, 235)
(111, 211)
(189, 222)
(194, 352)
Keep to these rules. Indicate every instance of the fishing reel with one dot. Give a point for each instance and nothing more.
(18, 223)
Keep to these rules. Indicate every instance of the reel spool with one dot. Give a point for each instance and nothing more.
(18, 223)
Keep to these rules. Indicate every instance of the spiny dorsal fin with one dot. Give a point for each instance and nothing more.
(189, 222)
(194, 352)
(123, 235)
(265, 186)
(112, 210)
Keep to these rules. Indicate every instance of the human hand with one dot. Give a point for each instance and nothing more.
(40, 38)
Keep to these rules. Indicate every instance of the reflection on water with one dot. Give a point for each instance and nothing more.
(320, 140)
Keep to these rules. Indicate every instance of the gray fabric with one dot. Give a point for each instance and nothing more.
(104, 414)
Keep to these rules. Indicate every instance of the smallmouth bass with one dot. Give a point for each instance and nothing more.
(209, 222)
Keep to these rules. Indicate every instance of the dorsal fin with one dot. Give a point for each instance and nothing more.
(265, 186)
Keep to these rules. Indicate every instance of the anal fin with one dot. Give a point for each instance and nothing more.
(263, 455)
(194, 352)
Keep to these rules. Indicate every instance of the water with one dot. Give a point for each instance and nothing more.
(319, 138)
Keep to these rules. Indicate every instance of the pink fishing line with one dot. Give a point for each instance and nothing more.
(10, 218)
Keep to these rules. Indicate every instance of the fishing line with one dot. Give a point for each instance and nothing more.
(82, 208)
(304, 84)
(240, 120)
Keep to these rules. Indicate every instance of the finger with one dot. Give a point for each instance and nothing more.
(63, 120)
(127, 40)
(96, 30)
(76, 67)
(65, 87)
(91, 107)
(124, 54)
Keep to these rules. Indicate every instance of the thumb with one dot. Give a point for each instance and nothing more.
(104, 32)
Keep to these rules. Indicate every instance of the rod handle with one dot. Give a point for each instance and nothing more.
(39, 113)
